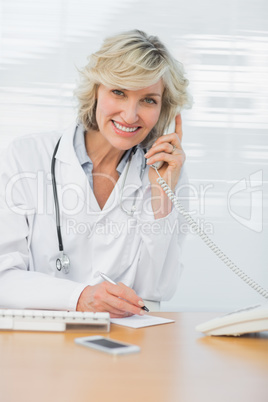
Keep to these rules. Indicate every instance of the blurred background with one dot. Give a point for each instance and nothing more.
(223, 45)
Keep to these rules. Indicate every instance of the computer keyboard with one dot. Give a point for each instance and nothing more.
(49, 320)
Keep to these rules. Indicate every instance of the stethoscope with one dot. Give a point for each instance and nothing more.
(63, 262)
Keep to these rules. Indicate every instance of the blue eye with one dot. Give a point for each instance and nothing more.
(117, 92)
(150, 101)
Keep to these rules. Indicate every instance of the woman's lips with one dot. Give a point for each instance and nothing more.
(125, 131)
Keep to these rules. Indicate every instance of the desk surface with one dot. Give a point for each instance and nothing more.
(176, 363)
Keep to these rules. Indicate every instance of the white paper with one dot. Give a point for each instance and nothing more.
(139, 321)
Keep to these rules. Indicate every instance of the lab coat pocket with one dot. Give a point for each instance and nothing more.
(115, 245)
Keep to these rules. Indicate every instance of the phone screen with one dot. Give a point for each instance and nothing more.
(107, 343)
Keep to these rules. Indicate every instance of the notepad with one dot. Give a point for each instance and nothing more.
(139, 321)
(49, 320)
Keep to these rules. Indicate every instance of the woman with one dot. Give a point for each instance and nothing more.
(113, 215)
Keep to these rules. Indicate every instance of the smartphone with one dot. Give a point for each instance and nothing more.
(107, 345)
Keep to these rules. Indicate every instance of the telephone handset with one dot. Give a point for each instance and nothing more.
(197, 229)
(157, 165)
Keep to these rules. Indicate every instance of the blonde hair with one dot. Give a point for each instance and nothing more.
(133, 60)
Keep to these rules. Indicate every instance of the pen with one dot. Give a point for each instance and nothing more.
(106, 278)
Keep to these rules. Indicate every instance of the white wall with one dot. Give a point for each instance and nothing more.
(224, 47)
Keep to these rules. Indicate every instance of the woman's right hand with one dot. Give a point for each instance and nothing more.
(119, 300)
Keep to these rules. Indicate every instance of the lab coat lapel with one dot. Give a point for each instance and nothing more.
(133, 176)
(71, 174)
(128, 184)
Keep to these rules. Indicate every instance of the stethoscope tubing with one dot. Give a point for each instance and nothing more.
(55, 195)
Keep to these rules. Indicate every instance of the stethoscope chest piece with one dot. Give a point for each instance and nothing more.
(63, 263)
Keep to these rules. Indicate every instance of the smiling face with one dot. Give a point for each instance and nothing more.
(126, 117)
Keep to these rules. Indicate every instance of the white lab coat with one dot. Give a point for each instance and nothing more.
(140, 251)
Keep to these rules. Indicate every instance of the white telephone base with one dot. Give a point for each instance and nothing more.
(250, 319)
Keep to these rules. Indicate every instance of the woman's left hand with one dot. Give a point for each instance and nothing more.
(167, 148)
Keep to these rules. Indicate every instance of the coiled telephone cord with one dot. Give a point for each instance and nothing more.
(206, 239)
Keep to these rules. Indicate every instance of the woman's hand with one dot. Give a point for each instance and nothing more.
(168, 149)
(118, 300)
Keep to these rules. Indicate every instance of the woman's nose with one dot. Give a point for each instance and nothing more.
(130, 113)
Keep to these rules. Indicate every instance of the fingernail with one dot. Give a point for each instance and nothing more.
(140, 303)
(142, 312)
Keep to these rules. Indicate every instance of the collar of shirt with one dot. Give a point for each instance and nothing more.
(84, 159)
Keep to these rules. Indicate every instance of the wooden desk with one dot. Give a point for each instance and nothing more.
(175, 364)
